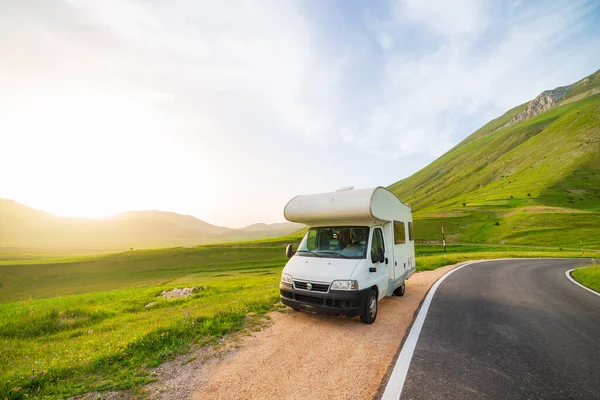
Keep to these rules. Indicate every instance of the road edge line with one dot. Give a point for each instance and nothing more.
(393, 389)
(568, 274)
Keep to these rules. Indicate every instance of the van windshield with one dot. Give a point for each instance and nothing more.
(335, 242)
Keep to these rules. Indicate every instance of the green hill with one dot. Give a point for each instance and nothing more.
(530, 177)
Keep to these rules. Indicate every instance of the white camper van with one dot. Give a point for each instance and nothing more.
(358, 249)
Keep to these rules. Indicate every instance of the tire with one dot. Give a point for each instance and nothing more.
(400, 290)
(371, 306)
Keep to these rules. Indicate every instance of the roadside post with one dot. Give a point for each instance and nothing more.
(444, 243)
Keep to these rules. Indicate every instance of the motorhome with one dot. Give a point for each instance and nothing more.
(359, 248)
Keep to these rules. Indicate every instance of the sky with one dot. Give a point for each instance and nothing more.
(225, 110)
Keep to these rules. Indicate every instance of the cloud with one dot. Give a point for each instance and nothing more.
(190, 106)
(481, 62)
(232, 97)
(446, 18)
(386, 41)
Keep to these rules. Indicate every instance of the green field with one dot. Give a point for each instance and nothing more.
(75, 325)
(58, 343)
(588, 276)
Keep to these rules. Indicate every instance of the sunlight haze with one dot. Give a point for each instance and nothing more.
(226, 110)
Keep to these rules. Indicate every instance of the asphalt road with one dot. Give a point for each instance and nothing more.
(516, 329)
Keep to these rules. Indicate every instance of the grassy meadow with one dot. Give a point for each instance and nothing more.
(71, 325)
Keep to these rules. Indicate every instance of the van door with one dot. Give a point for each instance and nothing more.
(378, 246)
(412, 262)
(401, 251)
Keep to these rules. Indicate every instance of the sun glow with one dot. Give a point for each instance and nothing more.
(93, 154)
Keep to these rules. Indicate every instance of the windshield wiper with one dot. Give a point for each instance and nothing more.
(333, 252)
(308, 251)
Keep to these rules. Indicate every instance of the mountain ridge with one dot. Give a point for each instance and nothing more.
(185, 221)
(500, 184)
(25, 227)
(541, 103)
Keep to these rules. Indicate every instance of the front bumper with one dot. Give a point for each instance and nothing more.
(335, 302)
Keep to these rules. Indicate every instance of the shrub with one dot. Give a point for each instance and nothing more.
(497, 223)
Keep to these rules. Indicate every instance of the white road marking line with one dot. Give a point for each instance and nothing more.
(393, 390)
(568, 274)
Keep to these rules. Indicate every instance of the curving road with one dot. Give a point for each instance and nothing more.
(508, 329)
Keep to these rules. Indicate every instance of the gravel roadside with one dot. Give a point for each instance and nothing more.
(314, 356)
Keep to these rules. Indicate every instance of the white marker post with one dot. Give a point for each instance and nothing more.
(444, 243)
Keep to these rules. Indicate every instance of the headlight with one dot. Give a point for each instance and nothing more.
(344, 285)
(287, 278)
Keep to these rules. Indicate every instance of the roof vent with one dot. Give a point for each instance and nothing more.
(344, 188)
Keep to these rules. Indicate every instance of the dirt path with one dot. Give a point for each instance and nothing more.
(304, 355)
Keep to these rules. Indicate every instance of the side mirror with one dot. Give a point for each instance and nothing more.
(289, 251)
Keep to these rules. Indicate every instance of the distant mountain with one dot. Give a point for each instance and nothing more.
(26, 228)
(270, 230)
(281, 226)
(183, 221)
(531, 176)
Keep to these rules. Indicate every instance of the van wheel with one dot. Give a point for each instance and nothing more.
(370, 313)
(400, 290)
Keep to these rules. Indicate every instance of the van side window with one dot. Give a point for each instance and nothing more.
(377, 246)
(410, 231)
(399, 233)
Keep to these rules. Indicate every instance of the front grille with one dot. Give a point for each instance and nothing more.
(309, 299)
(316, 287)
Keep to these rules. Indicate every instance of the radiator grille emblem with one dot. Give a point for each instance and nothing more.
(309, 286)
